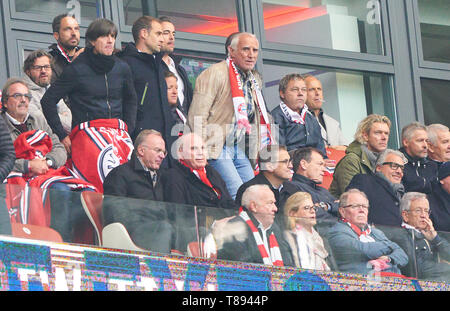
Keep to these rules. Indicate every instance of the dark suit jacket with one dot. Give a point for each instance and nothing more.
(259, 179)
(239, 244)
(384, 204)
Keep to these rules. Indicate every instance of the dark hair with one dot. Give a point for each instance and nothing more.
(143, 22)
(269, 154)
(286, 79)
(165, 19)
(302, 154)
(56, 24)
(6, 87)
(29, 61)
(99, 28)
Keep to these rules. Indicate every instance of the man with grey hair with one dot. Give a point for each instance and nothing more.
(253, 236)
(384, 188)
(38, 75)
(357, 246)
(419, 239)
(438, 143)
(229, 112)
(139, 178)
(419, 172)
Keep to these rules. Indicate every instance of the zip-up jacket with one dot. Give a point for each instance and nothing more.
(419, 173)
(92, 95)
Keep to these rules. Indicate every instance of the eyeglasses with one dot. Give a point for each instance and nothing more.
(394, 165)
(356, 206)
(157, 150)
(18, 96)
(286, 162)
(310, 207)
(420, 211)
(46, 67)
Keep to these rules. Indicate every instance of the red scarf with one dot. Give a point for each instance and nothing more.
(201, 174)
(364, 236)
(276, 258)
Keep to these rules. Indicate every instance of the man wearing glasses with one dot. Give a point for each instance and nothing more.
(428, 252)
(275, 168)
(139, 178)
(38, 74)
(358, 247)
(384, 189)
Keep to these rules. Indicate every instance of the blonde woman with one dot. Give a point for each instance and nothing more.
(306, 244)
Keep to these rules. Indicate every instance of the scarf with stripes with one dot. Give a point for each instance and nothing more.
(364, 236)
(275, 254)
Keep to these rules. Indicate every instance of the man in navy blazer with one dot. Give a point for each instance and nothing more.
(383, 188)
(358, 247)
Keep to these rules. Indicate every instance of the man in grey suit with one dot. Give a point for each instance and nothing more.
(357, 247)
(330, 128)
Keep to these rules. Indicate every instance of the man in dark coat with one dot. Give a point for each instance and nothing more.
(172, 63)
(193, 181)
(139, 178)
(384, 188)
(253, 236)
(419, 172)
(144, 58)
(439, 199)
(309, 168)
(428, 252)
(275, 168)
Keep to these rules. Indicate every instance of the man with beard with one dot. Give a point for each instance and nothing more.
(38, 75)
(66, 31)
(172, 63)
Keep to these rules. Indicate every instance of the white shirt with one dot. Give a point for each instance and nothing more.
(180, 83)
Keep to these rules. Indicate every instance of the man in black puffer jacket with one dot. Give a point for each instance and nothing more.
(144, 59)
(100, 88)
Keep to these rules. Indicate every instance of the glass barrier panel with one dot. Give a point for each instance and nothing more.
(435, 94)
(353, 25)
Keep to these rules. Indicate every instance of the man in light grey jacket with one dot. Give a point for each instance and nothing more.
(330, 128)
(38, 74)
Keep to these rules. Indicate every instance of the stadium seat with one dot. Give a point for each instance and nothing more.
(335, 155)
(115, 235)
(35, 232)
(92, 204)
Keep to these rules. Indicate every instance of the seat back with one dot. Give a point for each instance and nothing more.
(335, 155)
(35, 232)
(115, 235)
(92, 203)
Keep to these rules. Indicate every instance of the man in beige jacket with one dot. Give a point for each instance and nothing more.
(229, 113)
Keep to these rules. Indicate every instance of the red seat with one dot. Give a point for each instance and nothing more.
(335, 155)
(93, 203)
(35, 232)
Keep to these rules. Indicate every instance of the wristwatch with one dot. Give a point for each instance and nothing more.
(49, 162)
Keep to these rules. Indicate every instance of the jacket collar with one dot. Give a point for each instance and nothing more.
(304, 180)
(413, 160)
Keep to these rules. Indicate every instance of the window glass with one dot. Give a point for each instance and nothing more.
(195, 66)
(349, 25)
(348, 96)
(86, 10)
(435, 29)
(435, 95)
(209, 17)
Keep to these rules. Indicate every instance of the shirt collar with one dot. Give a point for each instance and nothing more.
(14, 121)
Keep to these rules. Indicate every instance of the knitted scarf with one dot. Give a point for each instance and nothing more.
(275, 254)
(201, 174)
(240, 107)
(364, 236)
(293, 116)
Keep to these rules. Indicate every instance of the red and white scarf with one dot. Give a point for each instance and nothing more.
(63, 53)
(240, 107)
(293, 116)
(201, 174)
(275, 254)
(364, 236)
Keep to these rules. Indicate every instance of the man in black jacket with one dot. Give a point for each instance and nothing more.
(172, 63)
(139, 178)
(275, 167)
(144, 58)
(193, 181)
(427, 251)
(66, 32)
(384, 189)
(309, 168)
(419, 171)
(439, 199)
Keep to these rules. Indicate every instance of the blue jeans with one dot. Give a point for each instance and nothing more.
(234, 167)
